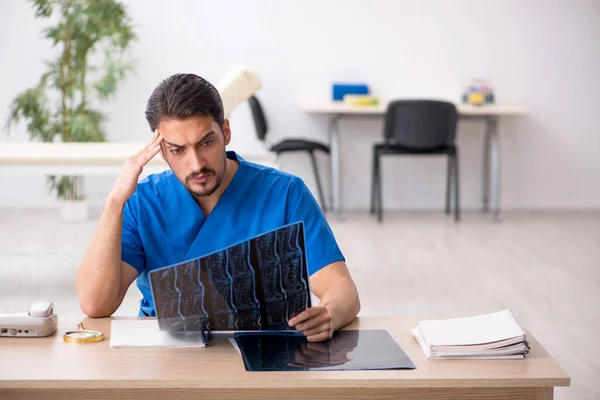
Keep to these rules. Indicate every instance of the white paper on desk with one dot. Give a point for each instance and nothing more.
(145, 333)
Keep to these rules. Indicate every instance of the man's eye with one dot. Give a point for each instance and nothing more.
(207, 143)
(176, 151)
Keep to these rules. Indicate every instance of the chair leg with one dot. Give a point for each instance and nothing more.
(379, 187)
(373, 181)
(456, 189)
(448, 183)
(318, 179)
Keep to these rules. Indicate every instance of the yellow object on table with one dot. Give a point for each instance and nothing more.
(361, 100)
(82, 335)
(476, 98)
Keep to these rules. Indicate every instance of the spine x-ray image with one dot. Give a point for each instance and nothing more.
(259, 284)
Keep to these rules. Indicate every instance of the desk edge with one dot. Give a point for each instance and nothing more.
(371, 384)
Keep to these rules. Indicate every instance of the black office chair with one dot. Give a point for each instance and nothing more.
(418, 127)
(289, 145)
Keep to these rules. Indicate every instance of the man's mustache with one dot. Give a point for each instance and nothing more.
(203, 171)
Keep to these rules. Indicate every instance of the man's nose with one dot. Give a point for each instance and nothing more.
(196, 162)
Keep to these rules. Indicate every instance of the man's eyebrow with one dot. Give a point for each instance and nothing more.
(209, 134)
(172, 144)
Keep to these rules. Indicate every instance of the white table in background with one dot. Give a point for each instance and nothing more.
(491, 158)
(89, 158)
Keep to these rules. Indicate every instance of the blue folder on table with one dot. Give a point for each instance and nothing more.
(339, 90)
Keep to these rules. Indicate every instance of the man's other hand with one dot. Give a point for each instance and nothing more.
(315, 323)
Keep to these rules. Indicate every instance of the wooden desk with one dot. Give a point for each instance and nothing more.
(491, 151)
(46, 368)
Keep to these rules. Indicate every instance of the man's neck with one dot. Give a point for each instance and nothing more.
(208, 203)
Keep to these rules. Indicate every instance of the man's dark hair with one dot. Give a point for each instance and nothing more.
(181, 96)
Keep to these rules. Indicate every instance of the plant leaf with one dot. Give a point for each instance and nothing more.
(43, 8)
(85, 125)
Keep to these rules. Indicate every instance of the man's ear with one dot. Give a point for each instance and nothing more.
(226, 132)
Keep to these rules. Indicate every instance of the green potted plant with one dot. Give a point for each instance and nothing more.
(92, 38)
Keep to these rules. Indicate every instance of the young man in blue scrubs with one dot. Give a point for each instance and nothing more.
(209, 199)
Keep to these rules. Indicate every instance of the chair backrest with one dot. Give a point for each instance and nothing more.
(420, 124)
(258, 115)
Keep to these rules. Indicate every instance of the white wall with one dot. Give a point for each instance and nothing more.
(544, 54)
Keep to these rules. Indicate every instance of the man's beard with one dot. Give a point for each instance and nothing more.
(204, 193)
(206, 171)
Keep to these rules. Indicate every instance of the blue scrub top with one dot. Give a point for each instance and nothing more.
(163, 225)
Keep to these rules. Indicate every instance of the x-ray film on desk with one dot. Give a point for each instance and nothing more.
(258, 284)
(346, 350)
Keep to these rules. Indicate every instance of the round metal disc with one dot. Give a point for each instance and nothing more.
(83, 336)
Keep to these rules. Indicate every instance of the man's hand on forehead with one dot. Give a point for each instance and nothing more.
(126, 183)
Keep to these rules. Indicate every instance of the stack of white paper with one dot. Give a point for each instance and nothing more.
(145, 333)
(484, 337)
